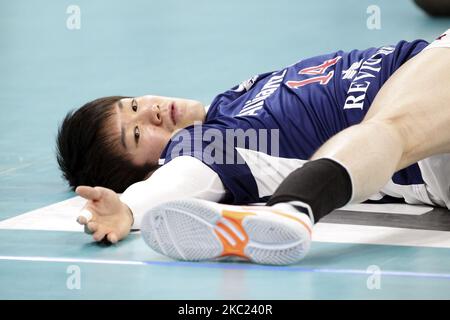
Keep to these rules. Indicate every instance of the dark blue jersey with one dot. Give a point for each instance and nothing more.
(259, 131)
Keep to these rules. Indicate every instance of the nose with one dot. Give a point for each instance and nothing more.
(151, 115)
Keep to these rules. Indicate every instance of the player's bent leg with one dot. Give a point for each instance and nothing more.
(416, 101)
(408, 121)
(196, 230)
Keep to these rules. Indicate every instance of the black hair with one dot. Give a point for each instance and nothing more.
(87, 155)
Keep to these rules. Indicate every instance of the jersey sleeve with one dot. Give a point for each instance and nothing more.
(183, 177)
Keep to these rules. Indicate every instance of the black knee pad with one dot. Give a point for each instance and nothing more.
(323, 184)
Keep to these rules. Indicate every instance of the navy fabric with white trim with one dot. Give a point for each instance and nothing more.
(308, 102)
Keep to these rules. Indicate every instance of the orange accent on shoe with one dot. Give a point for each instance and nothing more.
(235, 218)
(268, 209)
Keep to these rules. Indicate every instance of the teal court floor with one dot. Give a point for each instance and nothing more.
(192, 49)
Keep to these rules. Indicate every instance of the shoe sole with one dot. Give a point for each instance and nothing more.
(197, 230)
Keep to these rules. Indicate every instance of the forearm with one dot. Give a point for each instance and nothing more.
(183, 177)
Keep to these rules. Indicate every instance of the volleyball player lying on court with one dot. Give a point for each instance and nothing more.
(373, 124)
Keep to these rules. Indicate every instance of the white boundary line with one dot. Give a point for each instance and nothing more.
(445, 276)
(72, 260)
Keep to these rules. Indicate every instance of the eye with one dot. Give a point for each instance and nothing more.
(134, 105)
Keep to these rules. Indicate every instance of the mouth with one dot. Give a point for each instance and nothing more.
(172, 110)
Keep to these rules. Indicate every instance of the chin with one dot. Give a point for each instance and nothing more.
(195, 112)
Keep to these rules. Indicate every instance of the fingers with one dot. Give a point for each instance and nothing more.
(103, 235)
(86, 230)
(112, 237)
(91, 227)
(84, 217)
(89, 193)
(99, 235)
(95, 219)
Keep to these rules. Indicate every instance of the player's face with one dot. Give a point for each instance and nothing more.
(144, 125)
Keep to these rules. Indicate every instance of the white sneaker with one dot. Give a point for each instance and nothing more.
(193, 229)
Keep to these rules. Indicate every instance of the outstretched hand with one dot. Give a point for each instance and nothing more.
(111, 218)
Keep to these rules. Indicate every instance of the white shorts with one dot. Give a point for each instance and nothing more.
(436, 169)
(435, 172)
(443, 41)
